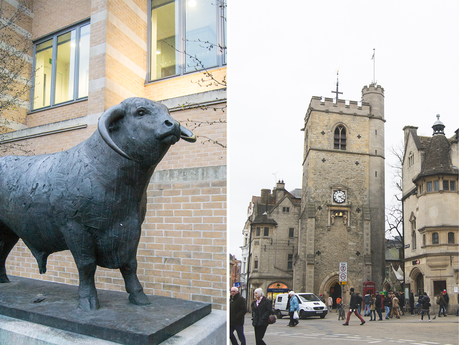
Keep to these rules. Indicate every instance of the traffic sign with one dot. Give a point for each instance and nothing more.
(343, 272)
(237, 284)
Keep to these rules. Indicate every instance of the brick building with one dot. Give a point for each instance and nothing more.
(430, 212)
(90, 55)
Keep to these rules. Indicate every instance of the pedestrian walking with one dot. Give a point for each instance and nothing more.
(366, 301)
(261, 309)
(444, 299)
(395, 306)
(425, 306)
(401, 299)
(387, 303)
(457, 311)
(238, 309)
(378, 305)
(372, 308)
(353, 308)
(293, 306)
(330, 303)
(412, 302)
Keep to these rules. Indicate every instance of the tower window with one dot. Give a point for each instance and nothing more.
(291, 232)
(290, 261)
(435, 238)
(436, 185)
(340, 138)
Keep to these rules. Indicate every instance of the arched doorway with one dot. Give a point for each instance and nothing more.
(335, 292)
(418, 279)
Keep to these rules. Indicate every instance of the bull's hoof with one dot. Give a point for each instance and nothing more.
(139, 298)
(91, 303)
(4, 278)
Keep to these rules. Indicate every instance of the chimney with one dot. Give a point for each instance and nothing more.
(265, 193)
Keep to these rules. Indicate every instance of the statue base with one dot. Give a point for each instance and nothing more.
(117, 320)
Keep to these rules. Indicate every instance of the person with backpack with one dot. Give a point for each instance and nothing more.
(425, 305)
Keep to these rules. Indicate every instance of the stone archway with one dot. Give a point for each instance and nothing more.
(417, 279)
(330, 287)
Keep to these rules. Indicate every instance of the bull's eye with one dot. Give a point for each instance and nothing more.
(141, 112)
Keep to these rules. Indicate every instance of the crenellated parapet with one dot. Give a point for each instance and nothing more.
(348, 107)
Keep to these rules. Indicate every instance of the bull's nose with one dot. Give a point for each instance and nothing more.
(169, 123)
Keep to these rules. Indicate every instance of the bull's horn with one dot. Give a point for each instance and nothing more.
(187, 135)
(108, 117)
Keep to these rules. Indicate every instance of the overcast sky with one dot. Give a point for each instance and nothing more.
(283, 53)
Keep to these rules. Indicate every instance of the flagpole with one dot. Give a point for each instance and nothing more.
(374, 66)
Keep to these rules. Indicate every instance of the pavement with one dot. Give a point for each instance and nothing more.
(330, 331)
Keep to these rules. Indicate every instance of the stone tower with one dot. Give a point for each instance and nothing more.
(342, 212)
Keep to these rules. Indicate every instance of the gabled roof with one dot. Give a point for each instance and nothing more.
(264, 219)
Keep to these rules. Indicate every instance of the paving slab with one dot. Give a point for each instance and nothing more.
(117, 320)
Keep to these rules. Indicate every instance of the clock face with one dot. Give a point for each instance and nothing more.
(339, 196)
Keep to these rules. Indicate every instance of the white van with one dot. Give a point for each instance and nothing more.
(310, 305)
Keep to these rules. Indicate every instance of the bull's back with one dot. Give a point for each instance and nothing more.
(29, 199)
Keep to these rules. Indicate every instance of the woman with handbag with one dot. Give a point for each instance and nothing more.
(261, 310)
(294, 307)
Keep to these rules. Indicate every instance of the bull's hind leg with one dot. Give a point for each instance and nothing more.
(7, 241)
(133, 286)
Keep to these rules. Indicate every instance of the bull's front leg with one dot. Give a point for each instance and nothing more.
(133, 286)
(83, 248)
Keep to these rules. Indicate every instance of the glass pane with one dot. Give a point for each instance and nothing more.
(83, 68)
(65, 67)
(43, 63)
(201, 34)
(164, 40)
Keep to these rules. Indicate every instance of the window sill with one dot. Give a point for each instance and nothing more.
(57, 106)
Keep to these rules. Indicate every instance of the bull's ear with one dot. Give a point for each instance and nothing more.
(109, 117)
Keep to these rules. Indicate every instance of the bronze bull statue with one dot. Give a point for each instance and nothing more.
(90, 199)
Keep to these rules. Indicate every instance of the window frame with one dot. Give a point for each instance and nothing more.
(341, 140)
(54, 37)
(221, 36)
(451, 239)
(435, 238)
(266, 231)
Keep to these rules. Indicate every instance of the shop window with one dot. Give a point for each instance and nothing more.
(435, 238)
(61, 64)
(186, 36)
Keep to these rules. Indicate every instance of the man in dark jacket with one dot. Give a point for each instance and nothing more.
(238, 309)
(353, 308)
(444, 299)
(378, 305)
